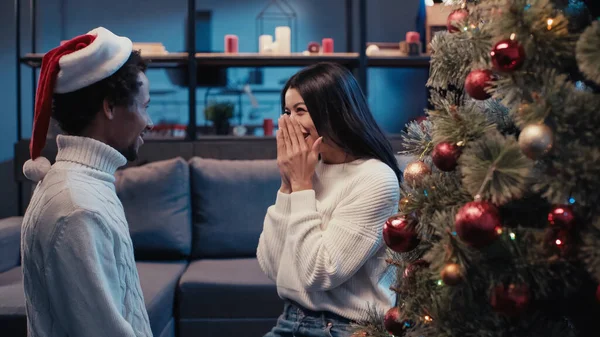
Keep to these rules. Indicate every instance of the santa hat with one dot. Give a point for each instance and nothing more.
(75, 64)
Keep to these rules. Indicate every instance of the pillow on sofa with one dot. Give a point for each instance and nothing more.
(230, 199)
(156, 199)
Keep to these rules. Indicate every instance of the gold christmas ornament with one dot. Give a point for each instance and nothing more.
(402, 204)
(415, 172)
(536, 140)
(451, 274)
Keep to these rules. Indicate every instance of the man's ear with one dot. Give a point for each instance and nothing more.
(108, 109)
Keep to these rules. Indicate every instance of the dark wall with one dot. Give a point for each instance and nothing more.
(395, 95)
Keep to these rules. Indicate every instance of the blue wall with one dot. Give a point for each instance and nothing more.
(395, 95)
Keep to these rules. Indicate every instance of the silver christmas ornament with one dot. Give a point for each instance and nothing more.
(536, 140)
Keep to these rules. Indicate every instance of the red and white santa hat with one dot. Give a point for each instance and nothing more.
(75, 64)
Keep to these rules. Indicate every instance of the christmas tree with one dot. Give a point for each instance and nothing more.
(498, 229)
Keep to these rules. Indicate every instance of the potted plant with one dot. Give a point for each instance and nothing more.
(219, 114)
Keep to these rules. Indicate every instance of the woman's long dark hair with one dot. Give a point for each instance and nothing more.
(340, 112)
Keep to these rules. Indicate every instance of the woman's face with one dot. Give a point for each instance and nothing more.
(295, 107)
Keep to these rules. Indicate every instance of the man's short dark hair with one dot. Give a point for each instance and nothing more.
(75, 111)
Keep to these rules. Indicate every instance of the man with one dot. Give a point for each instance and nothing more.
(79, 271)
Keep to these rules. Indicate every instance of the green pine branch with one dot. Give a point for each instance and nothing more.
(495, 168)
(416, 140)
(458, 123)
(454, 55)
(588, 52)
(589, 252)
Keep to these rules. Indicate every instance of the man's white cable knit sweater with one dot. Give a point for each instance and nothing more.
(324, 247)
(79, 270)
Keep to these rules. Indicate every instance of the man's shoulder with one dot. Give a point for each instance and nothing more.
(60, 197)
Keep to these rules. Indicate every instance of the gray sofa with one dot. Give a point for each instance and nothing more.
(195, 226)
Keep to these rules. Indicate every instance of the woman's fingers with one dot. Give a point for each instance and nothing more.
(293, 138)
(280, 144)
(300, 136)
(285, 133)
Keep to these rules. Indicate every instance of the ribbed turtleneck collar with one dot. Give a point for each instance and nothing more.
(90, 153)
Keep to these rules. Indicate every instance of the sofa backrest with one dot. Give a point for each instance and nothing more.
(230, 199)
(204, 208)
(157, 204)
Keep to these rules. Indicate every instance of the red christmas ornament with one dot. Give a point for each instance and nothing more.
(507, 55)
(399, 233)
(455, 17)
(477, 223)
(392, 323)
(410, 270)
(561, 216)
(445, 156)
(476, 82)
(511, 300)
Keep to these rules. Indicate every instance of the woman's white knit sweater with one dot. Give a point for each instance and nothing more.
(324, 247)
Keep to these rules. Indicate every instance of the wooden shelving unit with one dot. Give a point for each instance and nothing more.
(264, 60)
(189, 62)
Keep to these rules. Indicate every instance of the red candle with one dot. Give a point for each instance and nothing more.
(413, 37)
(268, 126)
(231, 44)
(327, 45)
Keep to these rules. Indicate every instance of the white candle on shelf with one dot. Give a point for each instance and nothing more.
(265, 43)
(273, 49)
(283, 37)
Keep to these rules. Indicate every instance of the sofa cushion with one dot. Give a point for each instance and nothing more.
(230, 200)
(156, 199)
(159, 281)
(10, 243)
(13, 321)
(229, 288)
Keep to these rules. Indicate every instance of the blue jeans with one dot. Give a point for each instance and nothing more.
(299, 322)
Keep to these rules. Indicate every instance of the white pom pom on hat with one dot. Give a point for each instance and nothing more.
(75, 64)
(35, 170)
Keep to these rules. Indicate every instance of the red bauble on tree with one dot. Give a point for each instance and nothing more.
(507, 55)
(562, 216)
(445, 156)
(392, 322)
(477, 223)
(511, 300)
(400, 234)
(456, 17)
(476, 82)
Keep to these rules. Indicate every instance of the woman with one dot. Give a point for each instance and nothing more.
(322, 240)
